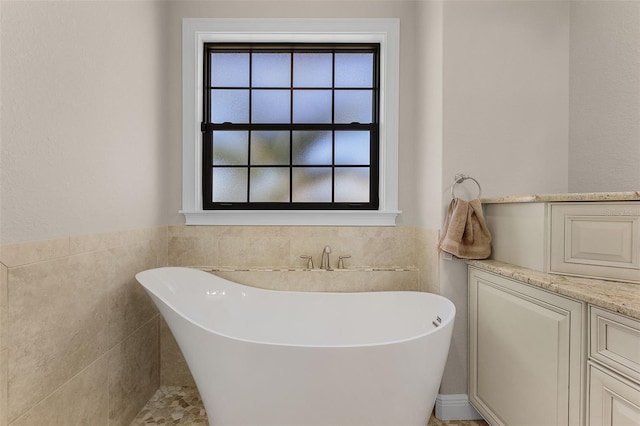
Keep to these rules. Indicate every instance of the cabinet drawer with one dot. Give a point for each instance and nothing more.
(615, 341)
(600, 240)
(613, 400)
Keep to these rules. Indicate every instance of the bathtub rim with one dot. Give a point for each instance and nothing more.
(446, 322)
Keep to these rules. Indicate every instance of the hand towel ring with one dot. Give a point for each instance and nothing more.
(459, 178)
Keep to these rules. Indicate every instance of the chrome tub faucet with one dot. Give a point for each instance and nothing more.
(325, 259)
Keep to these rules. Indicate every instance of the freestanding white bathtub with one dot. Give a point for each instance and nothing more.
(275, 358)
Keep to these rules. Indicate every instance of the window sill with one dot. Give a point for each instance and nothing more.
(293, 218)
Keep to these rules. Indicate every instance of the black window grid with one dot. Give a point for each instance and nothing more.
(209, 127)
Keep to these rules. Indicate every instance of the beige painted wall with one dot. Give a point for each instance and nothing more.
(82, 152)
(84, 118)
(426, 166)
(604, 141)
(409, 188)
(506, 95)
(104, 88)
(505, 119)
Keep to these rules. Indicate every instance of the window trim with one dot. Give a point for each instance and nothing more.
(196, 32)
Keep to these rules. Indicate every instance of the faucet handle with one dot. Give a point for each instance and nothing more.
(309, 261)
(341, 260)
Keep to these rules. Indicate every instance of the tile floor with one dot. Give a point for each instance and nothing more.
(174, 405)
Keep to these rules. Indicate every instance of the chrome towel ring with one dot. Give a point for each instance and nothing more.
(459, 178)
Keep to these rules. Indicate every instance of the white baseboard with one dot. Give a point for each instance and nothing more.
(455, 407)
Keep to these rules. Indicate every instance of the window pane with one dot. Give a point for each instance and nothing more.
(312, 147)
(352, 148)
(312, 184)
(271, 106)
(285, 141)
(312, 69)
(229, 185)
(354, 69)
(353, 105)
(230, 69)
(271, 70)
(229, 105)
(269, 148)
(269, 184)
(352, 184)
(230, 148)
(312, 106)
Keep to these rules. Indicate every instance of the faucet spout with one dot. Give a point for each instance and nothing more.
(325, 258)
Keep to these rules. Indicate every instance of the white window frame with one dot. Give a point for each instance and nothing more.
(197, 32)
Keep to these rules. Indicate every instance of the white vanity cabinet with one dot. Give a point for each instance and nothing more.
(597, 239)
(527, 350)
(614, 369)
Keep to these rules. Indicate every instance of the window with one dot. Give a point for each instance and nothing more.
(290, 126)
(291, 165)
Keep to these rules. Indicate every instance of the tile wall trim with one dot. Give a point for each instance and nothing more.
(280, 269)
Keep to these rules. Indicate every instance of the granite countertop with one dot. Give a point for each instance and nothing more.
(568, 197)
(616, 296)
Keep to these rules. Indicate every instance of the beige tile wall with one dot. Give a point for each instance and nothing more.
(3, 343)
(173, 368)
(75, 326)
(336, 280)
(283, 245)
(79, 328)
(427, 256)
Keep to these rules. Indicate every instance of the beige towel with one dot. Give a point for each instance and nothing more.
(465, 234)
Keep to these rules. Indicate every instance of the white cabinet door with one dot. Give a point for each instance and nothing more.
(527, 350)
(613, 400)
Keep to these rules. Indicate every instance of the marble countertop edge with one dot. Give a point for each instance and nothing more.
(615, 296)
(567, 197)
